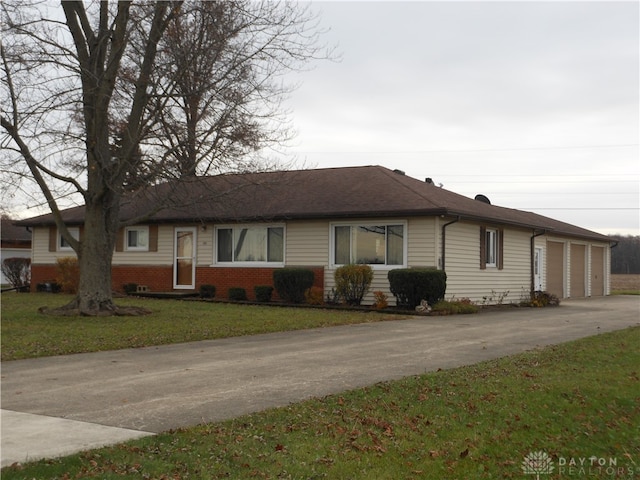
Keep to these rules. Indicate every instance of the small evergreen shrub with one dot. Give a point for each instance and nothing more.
(130, 288)
(263, 293)
(237, 294)
(68, 274)
(353, 282)
(314, 296)
(291, 283)
(411, 285)
(207, 291)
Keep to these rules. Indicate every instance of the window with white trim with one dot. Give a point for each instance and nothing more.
(250, 244)
(136, 238)
(491, 247)
(63, 244)
(370, 244)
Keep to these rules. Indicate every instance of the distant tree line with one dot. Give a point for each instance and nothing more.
(625, 257)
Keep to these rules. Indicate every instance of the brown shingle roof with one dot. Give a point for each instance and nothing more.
(12, 233)
(348, 192)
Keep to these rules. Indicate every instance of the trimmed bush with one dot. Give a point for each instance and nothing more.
(263, 293)
(207, 291)
(237, 294)
(68, 274)
(411, 285)
(353, 282)
(130, 288)
(291, 283)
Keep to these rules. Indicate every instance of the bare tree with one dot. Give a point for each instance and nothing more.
(97, 104)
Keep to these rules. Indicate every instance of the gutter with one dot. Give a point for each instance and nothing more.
(444, 238)
(532, 250)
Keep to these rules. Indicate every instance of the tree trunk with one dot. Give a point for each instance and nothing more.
(94, 258)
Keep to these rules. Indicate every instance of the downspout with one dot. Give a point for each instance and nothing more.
(444, 238)
(533, 246)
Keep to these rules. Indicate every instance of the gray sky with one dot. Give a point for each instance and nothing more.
(534, 104)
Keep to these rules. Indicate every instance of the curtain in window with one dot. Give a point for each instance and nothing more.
(250, 245)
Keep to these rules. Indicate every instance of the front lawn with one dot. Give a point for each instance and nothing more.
(577, 404)
(28, 334)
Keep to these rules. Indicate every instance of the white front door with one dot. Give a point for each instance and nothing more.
(184, 264)
(537, 269)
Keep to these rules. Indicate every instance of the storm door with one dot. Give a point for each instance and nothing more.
(184, 264)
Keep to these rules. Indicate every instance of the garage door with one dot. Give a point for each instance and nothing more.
(578, 271)
(555, 269)
(597, 271)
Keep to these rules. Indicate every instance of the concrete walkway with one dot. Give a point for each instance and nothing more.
(108, 397)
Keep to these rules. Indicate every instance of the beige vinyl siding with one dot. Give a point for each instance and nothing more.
(40, 248)
(307, 243)
(421, 242)
(466, 279)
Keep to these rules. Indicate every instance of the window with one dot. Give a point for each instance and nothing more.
(250, 244)
(137, 238)
(491, 248)
(371, 244)
(63, 244)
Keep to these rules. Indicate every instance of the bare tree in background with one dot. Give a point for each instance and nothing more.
(104, 98)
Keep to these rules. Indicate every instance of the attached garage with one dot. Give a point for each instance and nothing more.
(578, 270)
(555, 268)
(597, 271)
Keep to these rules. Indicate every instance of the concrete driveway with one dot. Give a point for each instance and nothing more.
(59, 405)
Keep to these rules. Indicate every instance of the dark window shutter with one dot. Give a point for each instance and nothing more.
(120, 240)
(500, 249)
(483, 248)
(53, 238)
(153, 238)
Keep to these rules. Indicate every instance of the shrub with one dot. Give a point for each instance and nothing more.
(207, 291)
(543, 299)
(314, 296)
(17, 271)
(291, 283)
(130, 288)
(464, 305)
(68, 274)
(237, 294)
(381, 301)
(411, 285)
(353, 282)
(263, 292)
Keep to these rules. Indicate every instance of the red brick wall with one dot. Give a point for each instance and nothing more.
(224, 278)
(160, 279)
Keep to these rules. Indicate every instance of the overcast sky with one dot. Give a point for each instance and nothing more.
(533, 104)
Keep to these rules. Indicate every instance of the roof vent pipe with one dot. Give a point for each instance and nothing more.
(399, 172)
(428, 180)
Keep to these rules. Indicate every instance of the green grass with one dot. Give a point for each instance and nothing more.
(625, 292)
(576, 400)
(28, 334)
